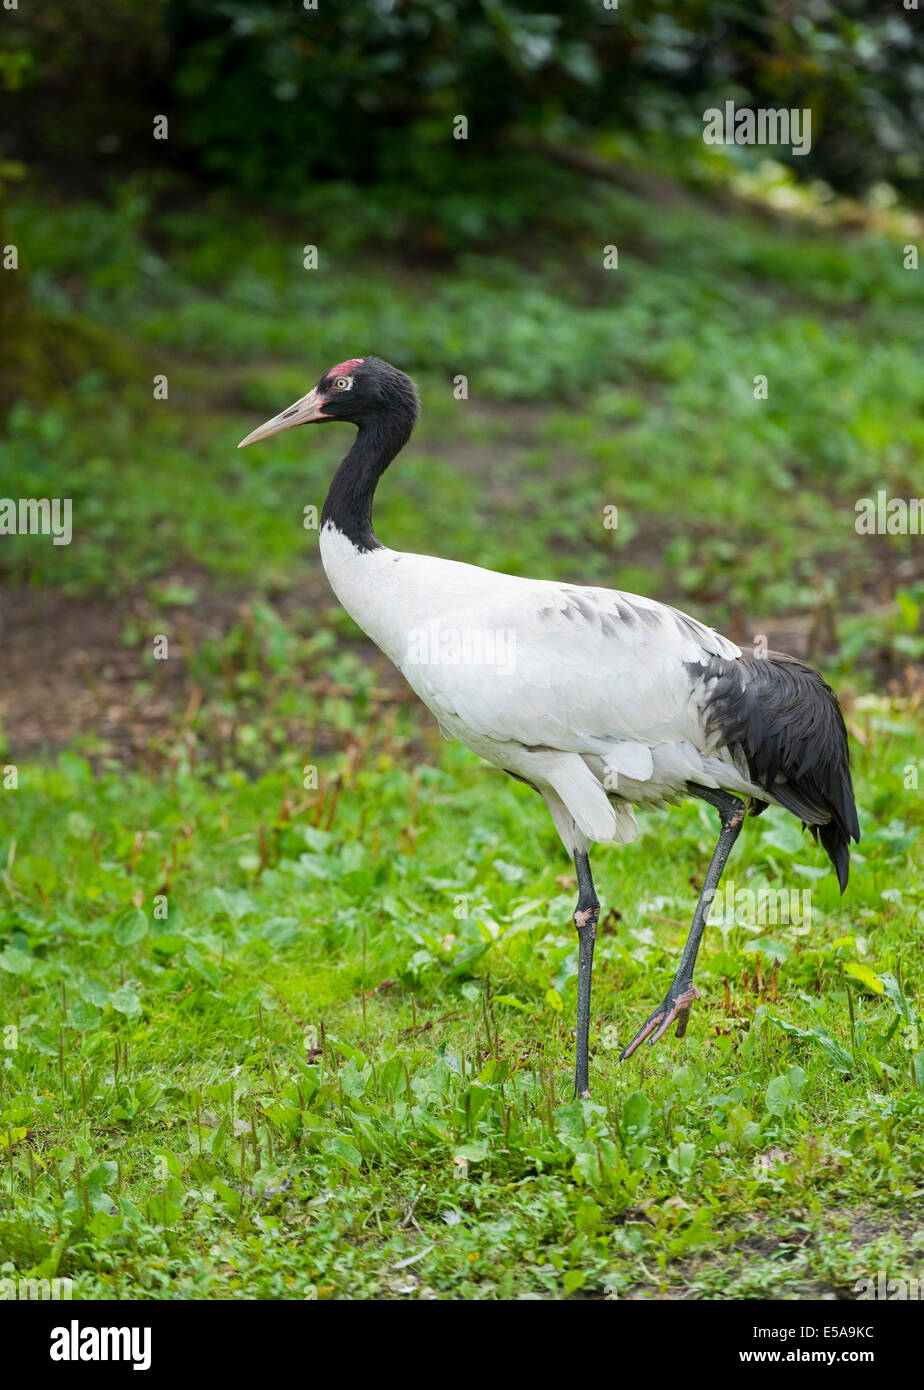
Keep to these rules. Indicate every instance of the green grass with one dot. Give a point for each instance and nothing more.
(170, 1127)
(266, 1039)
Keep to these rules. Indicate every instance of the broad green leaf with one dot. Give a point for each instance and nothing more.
(865, 975)
(130, 928)
(636, 1116)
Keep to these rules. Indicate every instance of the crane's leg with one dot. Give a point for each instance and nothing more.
(585, 919)
(679, 998)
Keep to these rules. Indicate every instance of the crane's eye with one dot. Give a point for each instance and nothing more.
(343, 383)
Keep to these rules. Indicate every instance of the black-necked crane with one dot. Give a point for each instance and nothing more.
(600, 700)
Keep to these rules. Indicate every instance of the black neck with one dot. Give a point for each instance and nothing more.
(349, 500)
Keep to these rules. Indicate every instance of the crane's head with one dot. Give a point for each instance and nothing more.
(359, 390)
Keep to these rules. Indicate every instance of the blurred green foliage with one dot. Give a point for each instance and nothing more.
(272, 99)
(587, 389)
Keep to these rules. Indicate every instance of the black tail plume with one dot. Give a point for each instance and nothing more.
(787, 723)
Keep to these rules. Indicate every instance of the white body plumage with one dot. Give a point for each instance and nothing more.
(591, 695)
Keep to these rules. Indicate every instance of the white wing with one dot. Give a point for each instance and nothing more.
(582, 670)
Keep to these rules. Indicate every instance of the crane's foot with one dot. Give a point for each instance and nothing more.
(676, 1008)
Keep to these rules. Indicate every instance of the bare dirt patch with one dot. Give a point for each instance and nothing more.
(67, 672)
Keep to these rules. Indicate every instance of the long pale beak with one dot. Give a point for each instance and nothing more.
(301, 413)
